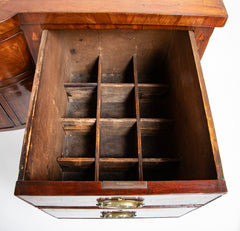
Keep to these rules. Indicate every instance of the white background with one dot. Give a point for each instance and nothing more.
(220, 65)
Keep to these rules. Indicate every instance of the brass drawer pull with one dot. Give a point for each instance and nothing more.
(119, 203)
(118, 214)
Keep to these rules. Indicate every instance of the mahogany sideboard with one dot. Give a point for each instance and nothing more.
(119, 124)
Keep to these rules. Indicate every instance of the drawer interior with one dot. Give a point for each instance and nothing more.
(121, 105)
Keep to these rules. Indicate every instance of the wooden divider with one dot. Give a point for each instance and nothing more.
(139, 140)
(97, 147)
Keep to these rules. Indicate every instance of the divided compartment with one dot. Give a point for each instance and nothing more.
(78, 159)
(89, 75)
(117, 50)
(117, 101)
(152, 49)
(77, 169)
(82, 51)
(82, 100)
(118, 138)
(119, 73)
(118, 149)
(159, 157)
(153, 101)
(80, 137)
(118, 169)
(160, 170)
(157, 138)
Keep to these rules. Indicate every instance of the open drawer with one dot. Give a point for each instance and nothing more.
(119, 115)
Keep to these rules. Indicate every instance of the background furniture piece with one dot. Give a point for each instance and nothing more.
(16, 75)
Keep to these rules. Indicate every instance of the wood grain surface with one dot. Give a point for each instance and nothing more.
(213, 9)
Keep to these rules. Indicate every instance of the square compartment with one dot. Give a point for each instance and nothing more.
(118, 171)
(119, 75)
(157, 138)
(80, 137)
(84, 172)
(81, 145)
(153, 105)
(118, 139)
(82, 101)
(90, 75)
(160, 171)
(157, 146)
(118, 101)
(81, 51)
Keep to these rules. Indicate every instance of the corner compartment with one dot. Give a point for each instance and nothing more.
(80, 137)
(154, 101)
(120, 72)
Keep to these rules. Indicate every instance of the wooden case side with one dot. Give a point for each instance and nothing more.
(32, 107)
(208, 113)
(191, 132)
(48, 136)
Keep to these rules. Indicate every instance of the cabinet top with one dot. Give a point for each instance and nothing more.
(207, 13)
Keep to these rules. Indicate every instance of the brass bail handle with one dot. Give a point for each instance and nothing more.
(120, 203)
(118, 214)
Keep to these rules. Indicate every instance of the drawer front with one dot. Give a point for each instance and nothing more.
(154, 200)
(108, 214)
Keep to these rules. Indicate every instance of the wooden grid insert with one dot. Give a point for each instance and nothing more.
(117, 128)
